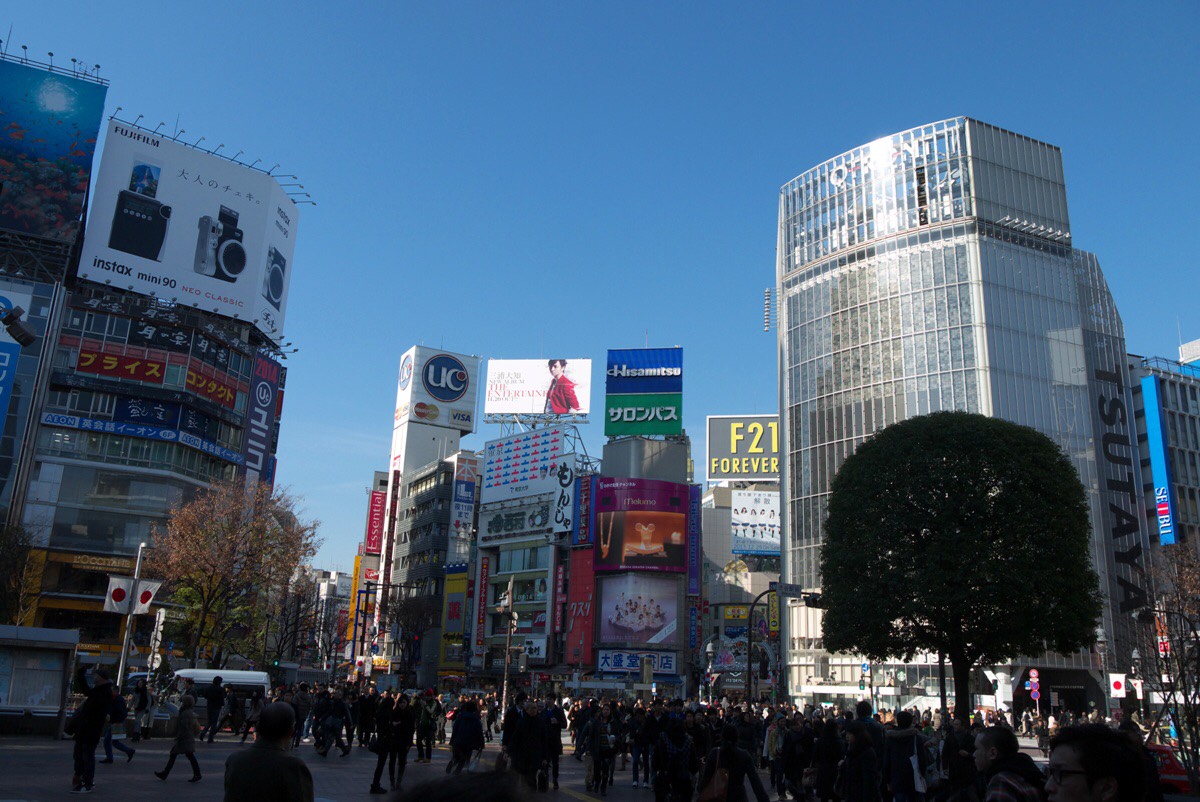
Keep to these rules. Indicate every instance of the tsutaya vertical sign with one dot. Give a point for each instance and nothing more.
(374, 540)
(260, 416)
(481, 606)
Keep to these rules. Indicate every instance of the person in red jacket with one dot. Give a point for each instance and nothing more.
(560, 398)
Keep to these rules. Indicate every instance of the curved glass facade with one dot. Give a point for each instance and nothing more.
(932, 270)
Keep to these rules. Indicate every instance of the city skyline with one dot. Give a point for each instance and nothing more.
(611, 179)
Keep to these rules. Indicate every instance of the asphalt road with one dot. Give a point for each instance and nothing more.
(40, 769)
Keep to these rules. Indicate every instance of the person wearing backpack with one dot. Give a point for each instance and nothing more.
(118, 713)
(725, 770)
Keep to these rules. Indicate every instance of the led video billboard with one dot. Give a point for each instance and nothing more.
(639, 608)
(179, 223)
(538, 386)
(640, 525)
(48, 128)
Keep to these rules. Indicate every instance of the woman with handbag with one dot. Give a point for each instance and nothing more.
(187, 728)
(725, 770)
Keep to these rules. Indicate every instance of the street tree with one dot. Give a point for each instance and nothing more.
(1168, 661)
(19, 576)
(959, 535)
(224, 556)
(412, 615)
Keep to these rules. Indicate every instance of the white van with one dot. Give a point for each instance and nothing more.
(244, 681)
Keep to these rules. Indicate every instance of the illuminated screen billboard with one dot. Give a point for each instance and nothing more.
(640, 525)
(182, 224)
(538, 386)
(639, 608)
(48, 128)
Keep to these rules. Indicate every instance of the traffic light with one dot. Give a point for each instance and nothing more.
(275, 663)
(862, 686)
(523, 662)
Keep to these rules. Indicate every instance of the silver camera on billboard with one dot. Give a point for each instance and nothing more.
(274, 278)
(219, 249)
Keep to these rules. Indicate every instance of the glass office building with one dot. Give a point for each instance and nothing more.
(934, 270)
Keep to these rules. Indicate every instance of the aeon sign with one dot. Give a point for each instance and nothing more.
(445, 378)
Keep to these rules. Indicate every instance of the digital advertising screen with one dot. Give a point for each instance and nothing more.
(639, 608)
(640, 525)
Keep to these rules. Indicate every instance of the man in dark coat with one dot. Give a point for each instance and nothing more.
(900, 746)
(89, 725)
(556, 722)
(268, 772)
(527, 746)
(214, 698)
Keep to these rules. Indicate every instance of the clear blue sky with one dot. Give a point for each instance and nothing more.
(532, 179)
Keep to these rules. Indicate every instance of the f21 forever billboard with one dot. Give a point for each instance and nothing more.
(173, 221)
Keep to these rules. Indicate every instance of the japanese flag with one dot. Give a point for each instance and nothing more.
(121, 593)
(1116, 686)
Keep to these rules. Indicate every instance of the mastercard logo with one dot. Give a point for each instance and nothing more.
(426, 411)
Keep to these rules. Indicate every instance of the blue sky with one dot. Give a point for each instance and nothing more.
(535, 179)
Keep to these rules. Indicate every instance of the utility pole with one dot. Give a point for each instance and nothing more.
(506, 609)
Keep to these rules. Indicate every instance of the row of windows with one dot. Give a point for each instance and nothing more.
(527, 559)
(422, 558)
(119, 450)
(116, 329)
(428, 483)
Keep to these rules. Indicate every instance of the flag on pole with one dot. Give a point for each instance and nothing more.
(1116, 686)
(120, 595)
(117, 600)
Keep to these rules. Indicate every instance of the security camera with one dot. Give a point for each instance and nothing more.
(17, 329)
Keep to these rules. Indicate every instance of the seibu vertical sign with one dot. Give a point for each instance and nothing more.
(374, 540)
(260, 418)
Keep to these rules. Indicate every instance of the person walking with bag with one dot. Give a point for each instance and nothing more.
(87, 725)
(253, 715)
(827, 754)
(905, 760)
(141, 711)
(118, 714)
(187, 728)
(466, 737)
(725, 770)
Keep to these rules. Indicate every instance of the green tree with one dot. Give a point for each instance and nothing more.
(960, 535)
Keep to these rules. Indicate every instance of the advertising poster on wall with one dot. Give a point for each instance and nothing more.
(639, 608)
(179, 223)
(755, 522)
(586, 513)
(453, 614)
(695, 562)
(641, 525)
(581, 587)
(532, 519)
(524, 464)
(538, 387)
(743, 447)
(481, 610)
(50, 124)
(462, 505)
(260, 417)
(375, 510)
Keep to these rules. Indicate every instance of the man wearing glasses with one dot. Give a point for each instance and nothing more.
(1092, 763)
(1009, 774)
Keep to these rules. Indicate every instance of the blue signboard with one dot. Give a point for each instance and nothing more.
(1160, 463)
(9, 354)
(143, 431)
(644, 370)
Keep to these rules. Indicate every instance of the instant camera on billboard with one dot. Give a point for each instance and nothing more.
(755, 521)
(48, 131)
(641, 525)
(438, 388)
(173, 221)
(639, 608)
(743, 447)
(538, 386)
(524, 464)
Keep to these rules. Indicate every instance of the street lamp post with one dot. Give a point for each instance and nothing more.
(133, 601)
(506, 609)
(750, 641)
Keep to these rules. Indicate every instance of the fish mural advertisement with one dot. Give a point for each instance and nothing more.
(48, 128)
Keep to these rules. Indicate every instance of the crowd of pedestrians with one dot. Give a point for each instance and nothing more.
(682, 751)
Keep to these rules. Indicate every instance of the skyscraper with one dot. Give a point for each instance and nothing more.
(934, 270)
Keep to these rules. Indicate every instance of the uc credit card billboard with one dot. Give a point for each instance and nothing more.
(179, 223)
(437, 388)
(48, 128)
